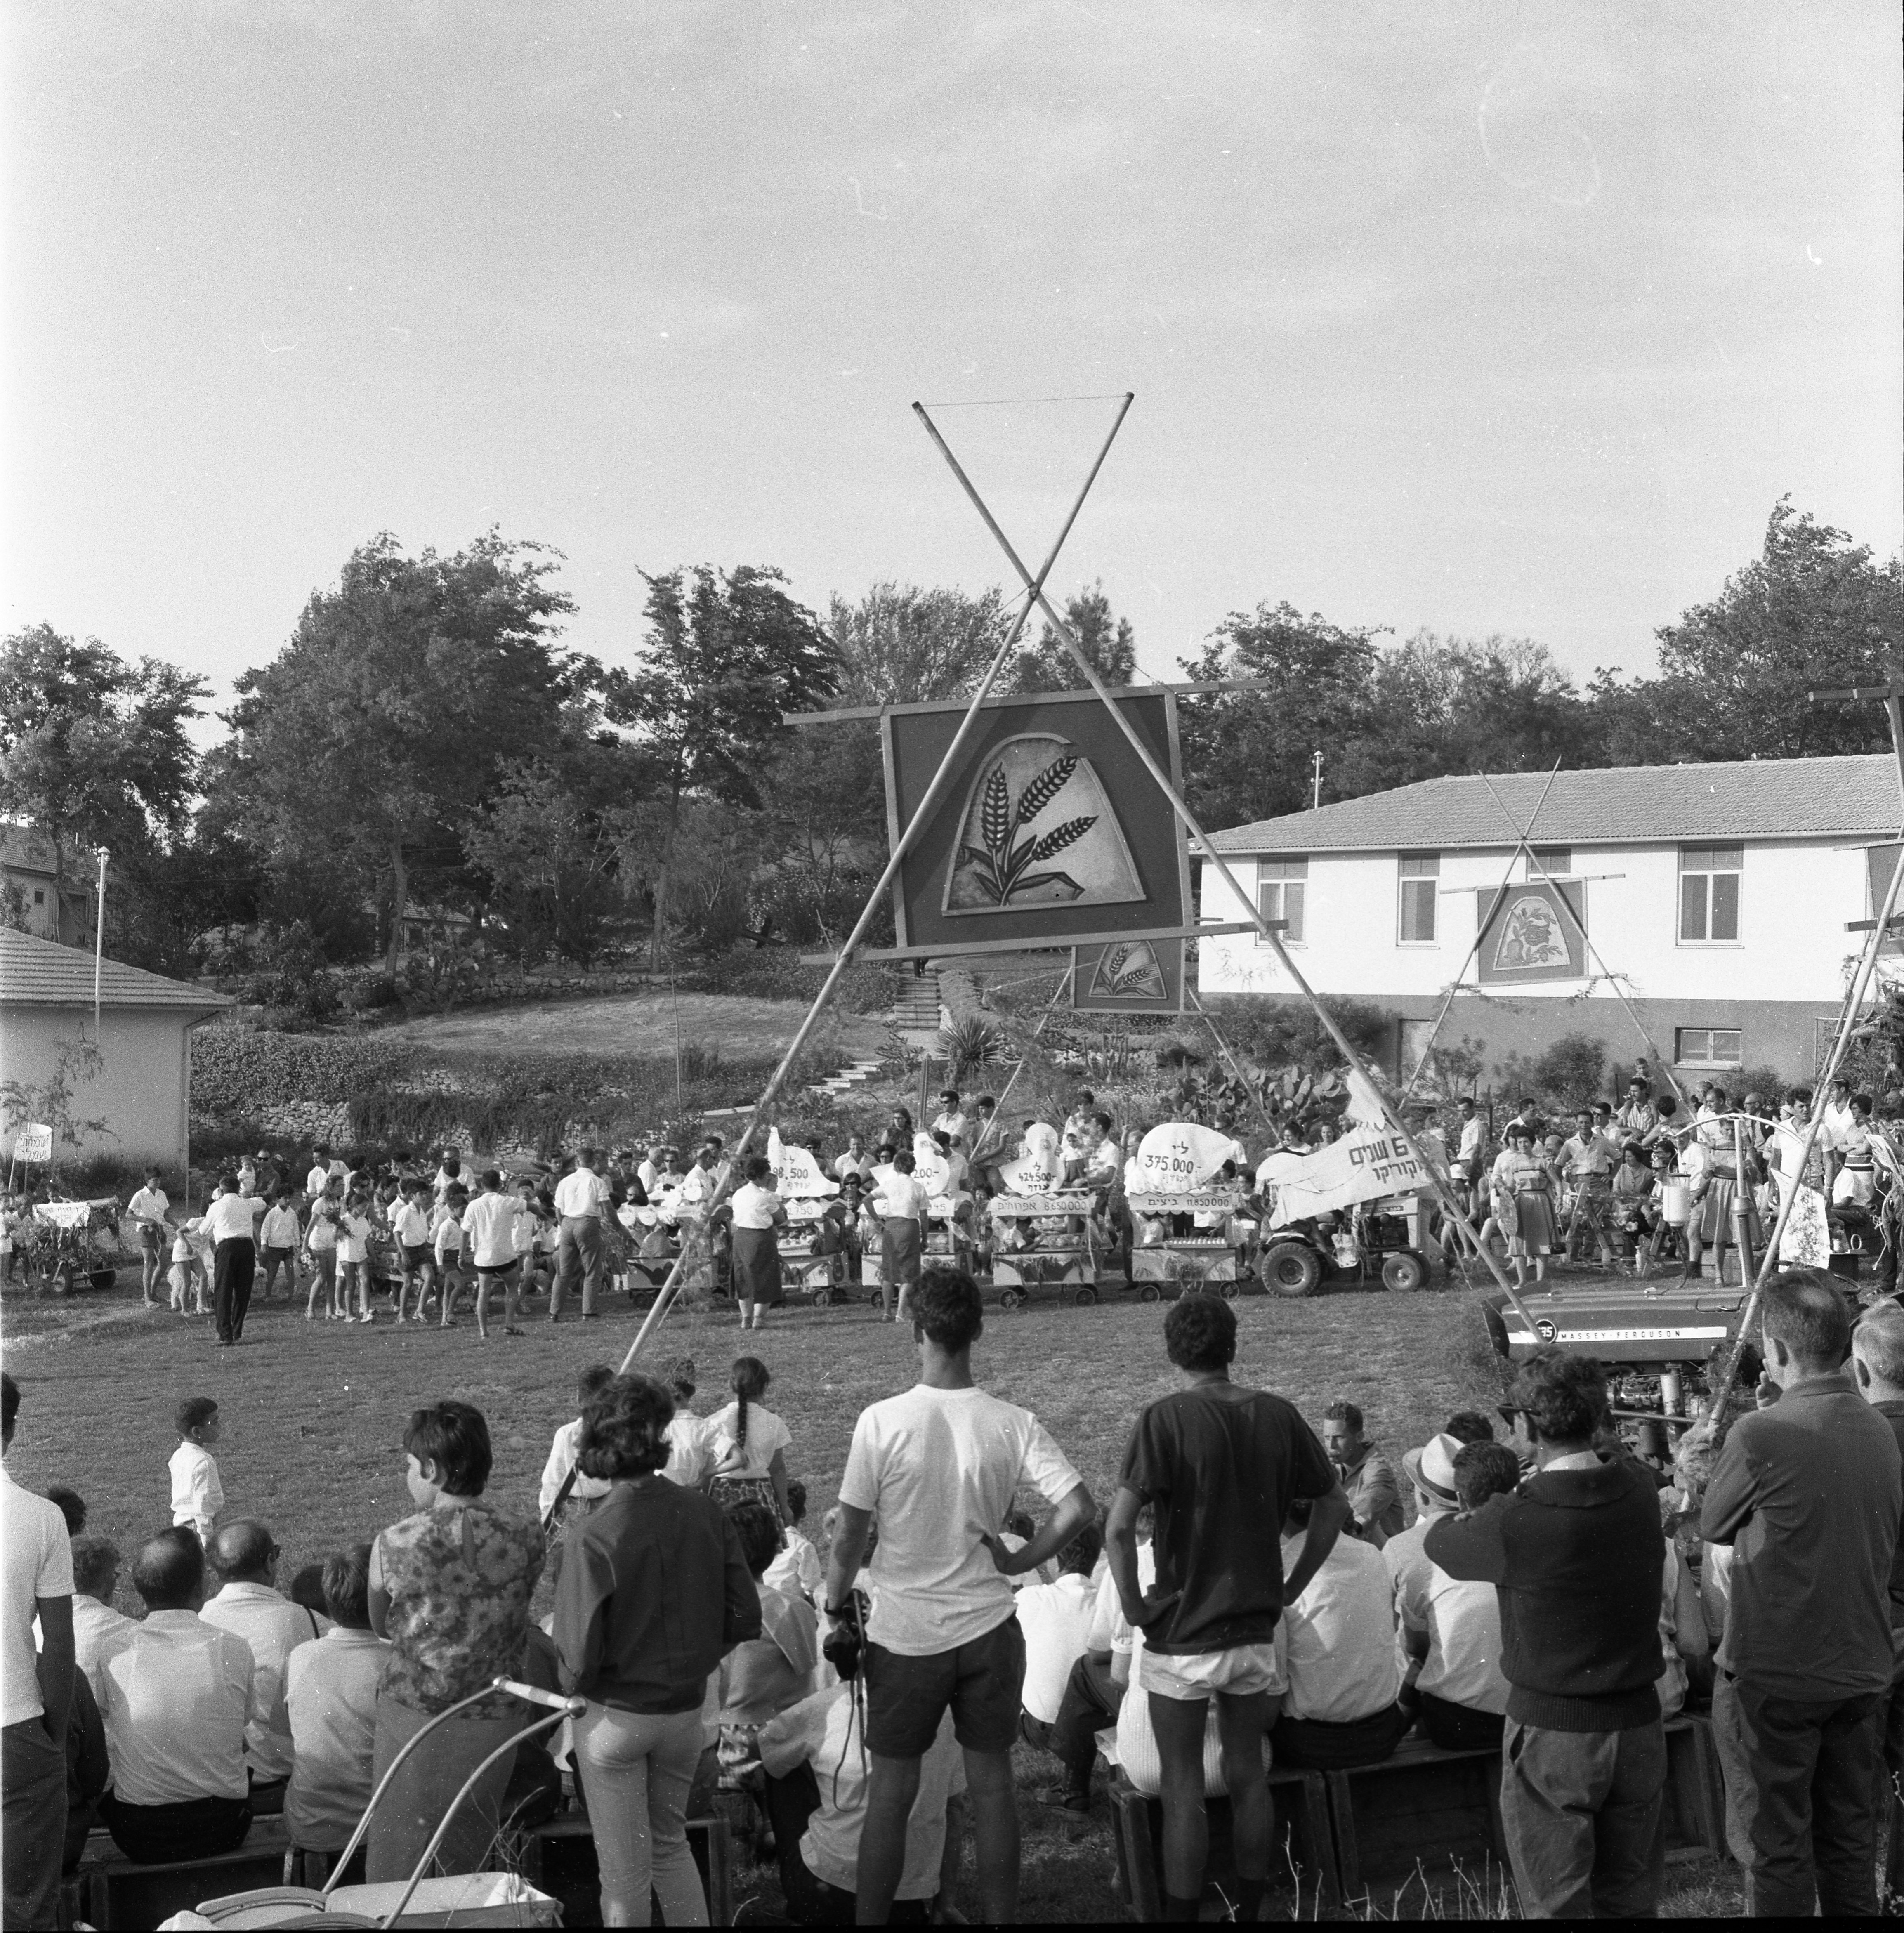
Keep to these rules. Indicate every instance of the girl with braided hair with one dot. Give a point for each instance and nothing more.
(750, 1444)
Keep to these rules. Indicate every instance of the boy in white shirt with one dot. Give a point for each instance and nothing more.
(449, 1246)
(796, 1570)
(277, 1246)
(151, 1210)
(197, 1495)
(564, 1451)
(409, 1227)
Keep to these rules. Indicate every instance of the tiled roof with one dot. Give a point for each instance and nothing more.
(1756, 798)
(35, 973)
(29, 850)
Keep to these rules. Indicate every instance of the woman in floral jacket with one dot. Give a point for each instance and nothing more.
(449, 1587)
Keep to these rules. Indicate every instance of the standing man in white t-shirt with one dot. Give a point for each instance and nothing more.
(939, 1467)
(37, 1691)
(582, 1199)
(151, 1208)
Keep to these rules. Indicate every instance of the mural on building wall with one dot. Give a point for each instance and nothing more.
(1531, 932)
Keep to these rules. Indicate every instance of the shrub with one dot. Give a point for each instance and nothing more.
(1572, 1070)
(974, 1048)
(1277, 1032)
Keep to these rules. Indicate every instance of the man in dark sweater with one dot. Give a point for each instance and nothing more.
(1877, 1366)
(1808, 1493)
(1576, 1555)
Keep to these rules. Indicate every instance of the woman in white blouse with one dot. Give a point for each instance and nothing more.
(758, 1217)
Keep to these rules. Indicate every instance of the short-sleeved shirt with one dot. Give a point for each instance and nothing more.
(941, 1468)
(459, 1578)
(766, 1433)
(754, 1207)
(1221, 1465)
(38, 1563)
(489, 1225)
(823, 1731)
(330, 1693)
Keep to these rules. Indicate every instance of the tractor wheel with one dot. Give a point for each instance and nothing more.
(823, 1298)
(1404, 1271)
(1086, 1296)
(1290, 1268)
(1229, 1291)
(1011, 1298)
(1150, 1292)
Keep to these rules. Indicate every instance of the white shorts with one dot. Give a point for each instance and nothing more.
(1241, 1670)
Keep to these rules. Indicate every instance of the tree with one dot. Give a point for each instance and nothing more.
(901, 645)
(93, 750)
(388, 719)
(1437, 705)
(549, 844)
(1246, 754)
(725, 654)
(1109, 641)
(1813, 610)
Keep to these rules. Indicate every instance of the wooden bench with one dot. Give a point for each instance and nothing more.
(1299, 1809)
(559, 1858)
(1423, 1809)
(121, 1893)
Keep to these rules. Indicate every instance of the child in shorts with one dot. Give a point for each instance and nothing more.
(410, 1228)
(320, 1244)
(353, 1239)
(449, 1249)
(190, 1267)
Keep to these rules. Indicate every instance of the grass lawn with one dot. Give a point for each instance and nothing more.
(637, 1023)
(314, 1415)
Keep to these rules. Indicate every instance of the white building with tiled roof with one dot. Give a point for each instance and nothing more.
(1718, 894)
(145, 1021)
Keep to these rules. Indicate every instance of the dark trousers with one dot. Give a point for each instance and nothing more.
(1460, 1727)
(1322, 1745)
(811, 1901)
(1089, 1706)
(33, 1812)
(1580, 1810)
(194, 1828)
(234, 1263)
(1799, 1778)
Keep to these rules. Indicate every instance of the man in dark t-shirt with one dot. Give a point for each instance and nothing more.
(1220, 1464)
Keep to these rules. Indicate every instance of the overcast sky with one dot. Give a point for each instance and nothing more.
(1487, 317)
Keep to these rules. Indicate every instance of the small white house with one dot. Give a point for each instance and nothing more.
(55, 902)
(1717, 897)
(146, 1022)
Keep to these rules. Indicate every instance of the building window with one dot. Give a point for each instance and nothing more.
(1709, 1047)
(39, 895)
(1556, 862)
(1420, 883)
(1281, 886)
(1708, 894)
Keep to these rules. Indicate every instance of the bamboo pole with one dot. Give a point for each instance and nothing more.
(1594, 954)
(1480, 933)
(928, 805)
(1162, 778)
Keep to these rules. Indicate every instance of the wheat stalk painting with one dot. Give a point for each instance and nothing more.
(1001, 867)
